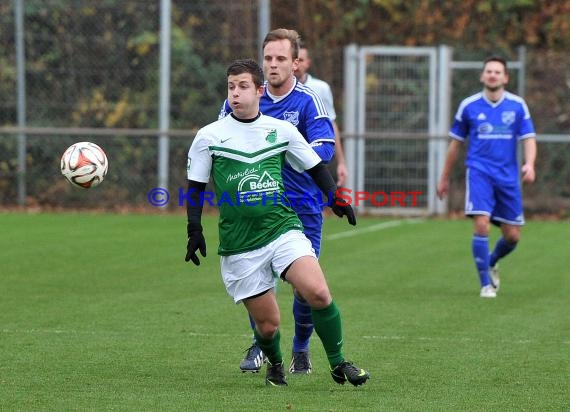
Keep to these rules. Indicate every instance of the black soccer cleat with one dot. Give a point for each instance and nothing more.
(346, 371)
(300, 363)
(275, 375)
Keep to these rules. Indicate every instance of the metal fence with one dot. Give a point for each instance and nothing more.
(92, 72)
(399, 102)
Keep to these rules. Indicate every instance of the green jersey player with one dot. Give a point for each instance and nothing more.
(259, 233)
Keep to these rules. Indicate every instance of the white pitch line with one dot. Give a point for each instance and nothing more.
(373, 228)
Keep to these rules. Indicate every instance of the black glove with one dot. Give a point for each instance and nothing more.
(341, 208)
(196, 242)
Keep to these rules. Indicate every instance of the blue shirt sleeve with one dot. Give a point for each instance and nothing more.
(325, 150)
(224, 110)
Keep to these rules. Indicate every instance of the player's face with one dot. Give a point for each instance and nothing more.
(278, 63)
(304, 63)
(243, 96)
(494, 76)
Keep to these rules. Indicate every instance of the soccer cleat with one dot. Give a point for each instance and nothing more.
(346, 371)
(488, 292)
(253, 359)
(495, 280)
(301, 363)
(275, 375)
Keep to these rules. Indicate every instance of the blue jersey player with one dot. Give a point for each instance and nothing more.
(287, 99)
(493, 121)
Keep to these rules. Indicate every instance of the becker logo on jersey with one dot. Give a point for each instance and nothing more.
(254, 187)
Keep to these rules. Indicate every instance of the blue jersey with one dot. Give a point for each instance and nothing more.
(305, 110)
(493, 130)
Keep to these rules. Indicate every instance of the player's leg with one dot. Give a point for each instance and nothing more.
(297, 264)
(300, 358)
(509, 214)
(479, 203)
(265, 312)
(249, 278)
(254, 356)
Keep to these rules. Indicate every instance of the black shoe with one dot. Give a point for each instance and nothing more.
(346, 371)
(275, 375)
(300, 363)
(253, 359)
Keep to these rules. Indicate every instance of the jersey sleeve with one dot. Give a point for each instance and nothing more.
(199, 164)
(460, 126)
(299, 153)
(318, 125)
(224, 110)
(526, 128)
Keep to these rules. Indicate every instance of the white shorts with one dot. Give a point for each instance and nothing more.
(251, 273)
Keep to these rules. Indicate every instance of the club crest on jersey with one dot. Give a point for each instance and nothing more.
(271, 136)
(292, 117)
(508, 117)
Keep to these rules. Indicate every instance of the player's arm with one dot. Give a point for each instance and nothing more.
(319, 132)
(324, 180)
(450, 159)
(528, 174)
(198, 174)
(194, 229)
(341, 169)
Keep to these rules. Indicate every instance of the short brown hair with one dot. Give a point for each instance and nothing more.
(246, 66)
(496, 58)
(284, 34)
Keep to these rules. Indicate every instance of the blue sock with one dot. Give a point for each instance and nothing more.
(303, 324)
(502, 249)
(480, 248)
(252, 323)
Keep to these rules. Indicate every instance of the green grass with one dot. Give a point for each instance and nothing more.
(100, 312)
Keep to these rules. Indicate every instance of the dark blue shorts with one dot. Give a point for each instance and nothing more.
(313, 229)
(485, 196)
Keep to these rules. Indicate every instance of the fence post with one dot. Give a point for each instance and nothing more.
(444, 103)
(350, 111)
(21, 91)
(164, 94)
(263, 24)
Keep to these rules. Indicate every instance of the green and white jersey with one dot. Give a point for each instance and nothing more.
(244, 159)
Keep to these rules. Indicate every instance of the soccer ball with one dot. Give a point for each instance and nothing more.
(84, 164)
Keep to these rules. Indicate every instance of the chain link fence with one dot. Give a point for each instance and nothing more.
(92, 73)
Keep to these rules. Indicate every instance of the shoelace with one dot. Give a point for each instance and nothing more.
(302, 362)
(347, 368)
(251, 352)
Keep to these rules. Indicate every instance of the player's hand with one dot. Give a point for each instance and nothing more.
(341, 174)
(442, 188)
(528, 174)
(341, 208)
(196, 242)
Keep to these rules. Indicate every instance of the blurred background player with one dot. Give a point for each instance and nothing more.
(324, 91)
(494, 121)
(259, 241)
(287, 99)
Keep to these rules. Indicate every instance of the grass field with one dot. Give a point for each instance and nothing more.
(100, 312)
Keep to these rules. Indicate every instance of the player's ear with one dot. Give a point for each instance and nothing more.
(260, 90)
(295, 64)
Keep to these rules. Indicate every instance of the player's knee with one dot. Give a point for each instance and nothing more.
(512, 238)
(482, 227)
(511, 234)
(319, 297)
(267, 329)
